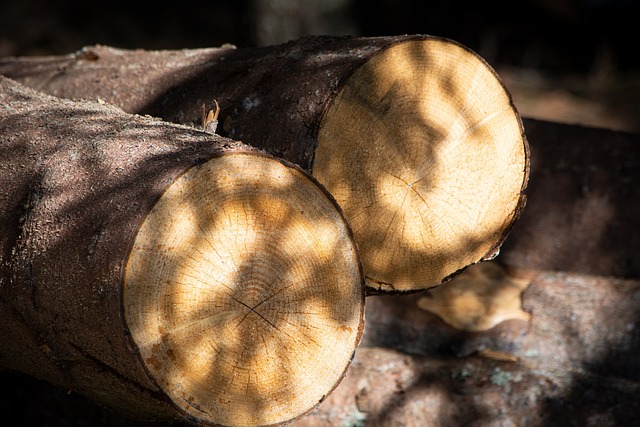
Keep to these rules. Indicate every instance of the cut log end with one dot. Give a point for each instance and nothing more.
(243, 292)
(425, 153)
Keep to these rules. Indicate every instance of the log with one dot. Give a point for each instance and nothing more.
(582, 210)
(168, 272)
(415, 136)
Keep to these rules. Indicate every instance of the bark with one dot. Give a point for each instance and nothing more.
(272, 96)
(580, 215)
(414, 136)
(80, 189)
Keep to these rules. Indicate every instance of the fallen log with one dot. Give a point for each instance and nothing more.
(415, 136)
(168, 272)
(582, 213)
(576, 359)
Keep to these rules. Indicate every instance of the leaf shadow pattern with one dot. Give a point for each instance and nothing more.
(276, 317)
(421, 207)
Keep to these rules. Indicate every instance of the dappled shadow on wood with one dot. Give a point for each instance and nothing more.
(584, 225)
(258, 306)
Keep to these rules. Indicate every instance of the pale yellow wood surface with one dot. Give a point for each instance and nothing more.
(243, 292)
(425, 153)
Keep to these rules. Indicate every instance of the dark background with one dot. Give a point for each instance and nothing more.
(559, 36)
(572, 61)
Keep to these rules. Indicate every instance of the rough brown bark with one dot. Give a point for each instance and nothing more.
(78, 181)
(438, 139)
(254, 86)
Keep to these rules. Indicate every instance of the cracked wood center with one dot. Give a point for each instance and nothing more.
(243, 292)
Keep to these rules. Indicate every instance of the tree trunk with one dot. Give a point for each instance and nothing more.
(166, 271)
(415, 136)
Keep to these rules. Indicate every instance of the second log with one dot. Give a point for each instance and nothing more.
(415, 136)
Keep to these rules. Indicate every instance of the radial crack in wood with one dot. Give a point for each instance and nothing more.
(425, 152)
(244, 299)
